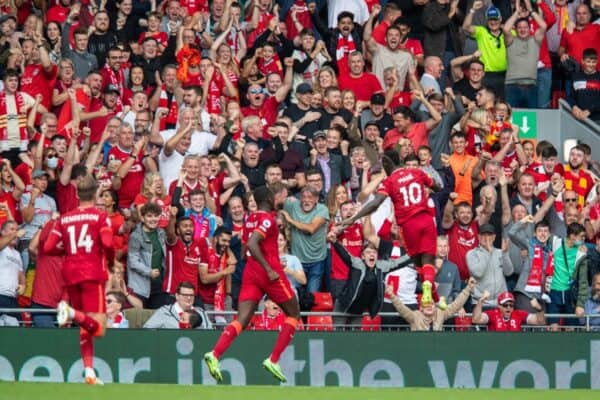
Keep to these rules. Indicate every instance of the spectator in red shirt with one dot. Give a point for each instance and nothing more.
(505, 318)
(391, 13)
(363, 84)
(584, 35)
(39, 73)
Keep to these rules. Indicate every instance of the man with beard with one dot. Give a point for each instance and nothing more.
(390, 55)
(592, 305)
(101, 40)
(263, 274)
(112, 74)
(110, 102)
(168, 95)
(575, 176)
(217, 264)
(308, 220)
(377, 114)
(332, 111)
(335, 168)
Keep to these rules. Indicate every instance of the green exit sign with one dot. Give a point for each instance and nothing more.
(527, 123)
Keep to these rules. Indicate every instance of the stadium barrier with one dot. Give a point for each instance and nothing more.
(381, 359)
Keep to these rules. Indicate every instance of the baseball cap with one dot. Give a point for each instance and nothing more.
(372, 123)
(493, 13)
(378, 98)
(112, 89)
(6, 17)
(505, 297)
(319, 134)
(304, 88)
(487, 228)
(38, 173)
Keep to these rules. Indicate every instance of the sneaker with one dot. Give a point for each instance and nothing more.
(274, 369)
(442, 303)
(91, 378)
(62, 313)
(426, 296)
(213, 366)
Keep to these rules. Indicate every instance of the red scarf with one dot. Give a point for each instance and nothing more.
(114, 78)
(163, 102)
(183, 325)
(21, 119)
(535, 280)
(219, 300)
(345, 46)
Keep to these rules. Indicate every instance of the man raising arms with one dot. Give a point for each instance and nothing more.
(86, 236)
(263, 274)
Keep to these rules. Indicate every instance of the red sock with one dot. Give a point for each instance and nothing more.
(284, 338)
(86, 322)
(227, 337)
(429, 273)
(86, 345)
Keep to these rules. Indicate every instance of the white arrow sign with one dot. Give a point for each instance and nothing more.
(525, 128)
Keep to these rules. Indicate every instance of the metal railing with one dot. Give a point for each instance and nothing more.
(327, 326)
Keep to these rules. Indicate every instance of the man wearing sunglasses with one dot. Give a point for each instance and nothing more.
(505, 318)
(490, 41)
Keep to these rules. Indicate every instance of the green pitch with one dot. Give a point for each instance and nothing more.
(64, 391)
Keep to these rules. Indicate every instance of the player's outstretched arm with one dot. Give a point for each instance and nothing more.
(367, 209)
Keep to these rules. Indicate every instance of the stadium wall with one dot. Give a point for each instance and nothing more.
(376, 359)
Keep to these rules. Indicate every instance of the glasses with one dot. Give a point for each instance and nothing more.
(255, 91)
(570, 199)
(508, 305)
(188, 295)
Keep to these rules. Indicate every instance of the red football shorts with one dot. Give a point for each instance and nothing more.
(256, 284)
(420, 235)
(88, 297)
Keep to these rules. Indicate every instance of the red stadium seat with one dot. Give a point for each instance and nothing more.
(319, 323)
(323, 301)
(556, 95)
(371, 324)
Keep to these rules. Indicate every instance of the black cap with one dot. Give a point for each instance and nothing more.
(372, 123)
(319, 134)
(486, 228)
(6, 17)
(304, 88)
(112, 89)
(378, 98)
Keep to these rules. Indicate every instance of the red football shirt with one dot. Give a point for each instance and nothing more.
(66, 197)
(182, 265)
(267, 114)
(363, 86)
(132, 182)
(48, 285)
(35, 80)
(265, 225)
(461, 240)
(406, 188)
(497, 323)
(213, 260)
(80, 232)
(352, 240)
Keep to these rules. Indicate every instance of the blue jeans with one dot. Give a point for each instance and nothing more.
(562, 303)
(544, 87)
(43, 320)
(314, 275)
(521, 96)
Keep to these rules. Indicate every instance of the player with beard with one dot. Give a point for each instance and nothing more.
(263, 274)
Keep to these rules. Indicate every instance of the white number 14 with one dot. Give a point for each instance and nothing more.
(85, 241)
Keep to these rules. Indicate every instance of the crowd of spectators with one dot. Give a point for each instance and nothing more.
(181, 108)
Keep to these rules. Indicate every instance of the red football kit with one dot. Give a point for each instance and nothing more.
(87, 237)
(496, 321)
(352, 240)
(413, 209)
(132, 182)
(255, 281)
(182, 265)
(462, 240)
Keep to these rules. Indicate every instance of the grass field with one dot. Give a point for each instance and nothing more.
(64, 391)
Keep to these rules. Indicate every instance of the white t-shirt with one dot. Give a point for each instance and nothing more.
(202, 142)
(10, 266)
(169, 166)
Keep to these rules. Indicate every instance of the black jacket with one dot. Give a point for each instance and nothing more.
(351, 292)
